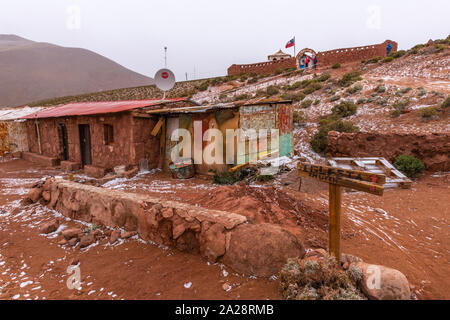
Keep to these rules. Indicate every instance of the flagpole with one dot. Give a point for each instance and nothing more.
(294, 46)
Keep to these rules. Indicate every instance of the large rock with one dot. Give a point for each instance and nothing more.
(71, 233)
(213, 241)
(33, 195)
(383, 283)
(87, 240)
(261, 249)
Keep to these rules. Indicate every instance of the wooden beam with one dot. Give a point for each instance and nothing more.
(334, 221)
(347, 173)
(345, 182)
(157, 126)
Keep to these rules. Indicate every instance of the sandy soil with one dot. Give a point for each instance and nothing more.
(34, 266)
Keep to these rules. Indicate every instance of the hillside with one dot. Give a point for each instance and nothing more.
(32, 71)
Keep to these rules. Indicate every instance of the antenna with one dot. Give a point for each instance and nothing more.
(164, 80)
(165, 57)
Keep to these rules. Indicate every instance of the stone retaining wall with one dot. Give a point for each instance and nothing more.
(212, 233)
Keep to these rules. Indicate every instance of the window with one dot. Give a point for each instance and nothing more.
(109, 134)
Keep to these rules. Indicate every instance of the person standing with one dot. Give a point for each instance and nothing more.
(388, 48)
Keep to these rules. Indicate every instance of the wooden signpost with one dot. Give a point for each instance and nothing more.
(338, 178)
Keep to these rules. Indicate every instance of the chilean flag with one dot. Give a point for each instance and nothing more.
(290, 43)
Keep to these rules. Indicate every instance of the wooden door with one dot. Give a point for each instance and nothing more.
(85, 144)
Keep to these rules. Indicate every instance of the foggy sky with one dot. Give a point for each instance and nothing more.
(208, 36)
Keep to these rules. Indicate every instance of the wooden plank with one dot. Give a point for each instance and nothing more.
(348, 173)
(334, 221)
(345, 182)
(157, 126)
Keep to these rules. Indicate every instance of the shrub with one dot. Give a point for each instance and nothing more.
(361, 101)
(272, 90)
(380, 89)
(354, 89)
(409, 165)
(428, 112)
(243, 96)
(421, 92)
(243, 78)
(226, 177)
(299, 117)
(307, 103)
(445, 103)
(349, 78)
(295, 86)
(388, 59)
(324, 77)
(344, 109)
(405, 90)
(337, 65)
(316, 102)
(203, 86)
(265, 177)
(223, 96)
(439, 47)
(374, 59)
(319, 141)
(278, 71)
(298, 96)
(314, 86)
(319, 280)
(397, 54)
(335, 98)
(252, 80)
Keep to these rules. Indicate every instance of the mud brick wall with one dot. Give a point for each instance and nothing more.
(433, 149)
(132, 139)
(326, 58)
(261, 67)
(258, 249)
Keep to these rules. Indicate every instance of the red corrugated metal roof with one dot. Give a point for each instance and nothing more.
(89, 108)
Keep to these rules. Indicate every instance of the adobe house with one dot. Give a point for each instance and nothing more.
(13, 130)
(279, 55)
(263, 114)
(97, 136)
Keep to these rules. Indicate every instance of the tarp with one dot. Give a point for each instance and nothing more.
(90, 108)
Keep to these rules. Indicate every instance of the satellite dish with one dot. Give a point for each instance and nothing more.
(164, 79)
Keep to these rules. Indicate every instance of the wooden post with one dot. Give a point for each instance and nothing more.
(334, 222)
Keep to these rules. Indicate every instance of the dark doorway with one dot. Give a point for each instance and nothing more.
(63, 140)
(85, 144)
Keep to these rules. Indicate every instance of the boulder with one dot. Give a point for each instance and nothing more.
(128, 234)
(46, 195)
(261, 249)
(34, 194)
(115, 235)
(213, 241)
(383, 283)
(87, 240)
(49, 226)
(72, 242)
(71, 233)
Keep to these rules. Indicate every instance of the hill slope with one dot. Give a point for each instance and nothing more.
(32, 71)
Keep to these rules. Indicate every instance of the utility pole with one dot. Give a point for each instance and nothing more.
(186, 75)
(165, 57)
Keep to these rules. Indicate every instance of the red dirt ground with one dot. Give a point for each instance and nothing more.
(411, 235)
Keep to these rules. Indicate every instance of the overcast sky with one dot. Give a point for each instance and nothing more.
(208, 35)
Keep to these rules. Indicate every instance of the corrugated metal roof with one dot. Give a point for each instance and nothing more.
(17, 113)
(91, 108)
(228, 105)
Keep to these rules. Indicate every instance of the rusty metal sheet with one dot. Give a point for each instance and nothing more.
(90, 108)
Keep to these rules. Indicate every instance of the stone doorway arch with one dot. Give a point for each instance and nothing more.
(299, 59)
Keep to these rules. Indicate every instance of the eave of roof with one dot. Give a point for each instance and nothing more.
(101, 107)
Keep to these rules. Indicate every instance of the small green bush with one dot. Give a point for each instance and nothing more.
(295, 85)
(316, 102)
(243, 96)
(314, 86)
(397, 54)
(344, 109)
(405, 90)
(203, 86)
(323, 77)
(361, 101)
(334, 98)
(354, 89)
(337, 65)
(388, 59)
(278, 71)
(421, 92)
(243, 78)
(265, 177)
(252, 80)
(299, 117)
(380, 89)
(409, 165)
(307, 103)
(272, 90)
(349, 78)
(374, 59)
(226, 177)
(428, 112)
